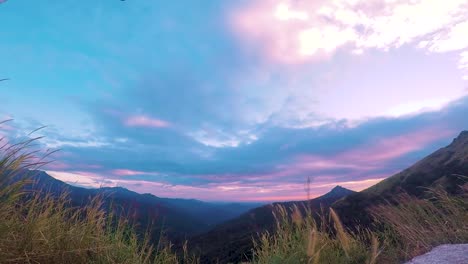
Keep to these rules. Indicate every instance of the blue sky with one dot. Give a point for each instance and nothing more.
(234, 100)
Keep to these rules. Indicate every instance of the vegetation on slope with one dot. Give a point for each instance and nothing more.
(414, 226)
(405, 227)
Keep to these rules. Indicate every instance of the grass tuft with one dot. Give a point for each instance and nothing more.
(302, 240)
(414, 226)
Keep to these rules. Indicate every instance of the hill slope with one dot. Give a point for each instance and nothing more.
(444, 167)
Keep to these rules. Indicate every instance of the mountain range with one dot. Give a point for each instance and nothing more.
(177, 217)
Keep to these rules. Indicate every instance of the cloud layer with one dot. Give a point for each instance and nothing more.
(273, 167)
(235, 101)
(296, 31)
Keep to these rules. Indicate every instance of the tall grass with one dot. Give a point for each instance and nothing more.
(404, 228)
(414, 226)
(45, 229)
(299, 239)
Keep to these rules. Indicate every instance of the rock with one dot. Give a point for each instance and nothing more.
(444, 254)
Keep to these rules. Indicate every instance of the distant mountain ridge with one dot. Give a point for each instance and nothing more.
(178, 217)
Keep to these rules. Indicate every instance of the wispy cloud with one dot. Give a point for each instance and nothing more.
(127, 172)
(145, 121)
(383, 150)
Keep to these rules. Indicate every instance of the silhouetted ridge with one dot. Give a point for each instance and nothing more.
(337, 192)
(441, 169)
(178, 217)
(462, 138)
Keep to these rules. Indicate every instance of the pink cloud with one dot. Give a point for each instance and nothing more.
(57, 165)
(315, 162)
(145, 121)
(81, 178)
(295, 31)
(274, 198)
(126, 172)
(372, 155)
(386, 149)
(276, 26)
(89, 166)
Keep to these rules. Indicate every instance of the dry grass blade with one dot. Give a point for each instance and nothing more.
(420, 224)
(300, 241)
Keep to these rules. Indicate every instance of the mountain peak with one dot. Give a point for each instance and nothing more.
(337, 192)
(463, 137)
(338, 188)
(459, 148)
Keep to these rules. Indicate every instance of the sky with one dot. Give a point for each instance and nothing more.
(234, 100)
